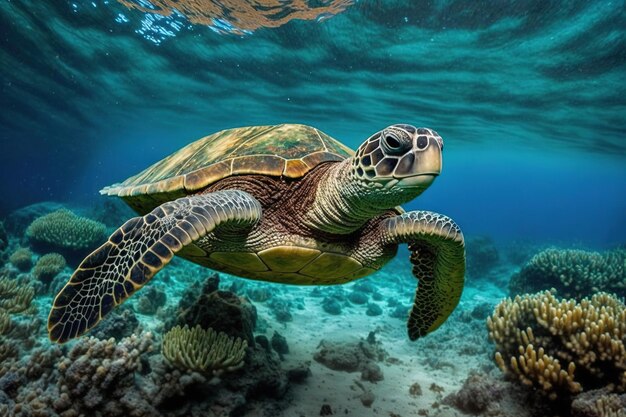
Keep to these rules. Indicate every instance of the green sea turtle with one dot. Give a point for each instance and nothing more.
(284, 203)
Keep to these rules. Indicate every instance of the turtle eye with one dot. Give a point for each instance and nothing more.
(394, 143)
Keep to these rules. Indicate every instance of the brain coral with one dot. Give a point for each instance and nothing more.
(561, 346)
(573, 273)
(66, 230)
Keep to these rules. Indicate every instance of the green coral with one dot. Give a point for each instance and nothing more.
(204, 351)
(22, 259)
(64, 229)
(561, 346)
(5, 322)
(16, 296)
(573, 273)
(48, 266)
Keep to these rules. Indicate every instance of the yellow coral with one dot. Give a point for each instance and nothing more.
(561, 345)
(609, 406)
(65, 229)
(205, 351)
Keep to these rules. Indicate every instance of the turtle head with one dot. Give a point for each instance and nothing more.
(400, 160)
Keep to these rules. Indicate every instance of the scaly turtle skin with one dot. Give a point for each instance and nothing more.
(283, 203)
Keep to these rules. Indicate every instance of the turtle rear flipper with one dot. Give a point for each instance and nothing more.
(438, 258)
(136, 251)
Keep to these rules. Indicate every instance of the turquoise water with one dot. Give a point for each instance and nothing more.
(529, 97)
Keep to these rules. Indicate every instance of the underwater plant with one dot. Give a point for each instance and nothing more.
(63, 229)
(205, 351)
(559, 346)
(572, 273)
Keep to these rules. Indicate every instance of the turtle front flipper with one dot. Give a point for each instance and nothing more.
(136, 252)
(438, 258)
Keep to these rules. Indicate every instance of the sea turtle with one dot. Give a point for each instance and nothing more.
(284, 203)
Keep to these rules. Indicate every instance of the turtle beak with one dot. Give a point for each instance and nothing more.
(417, 181)
(419, 167)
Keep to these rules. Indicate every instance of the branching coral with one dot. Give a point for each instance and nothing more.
(610, 406)
(5, 322)
(15, 295)
(573, 273)
(238, 16)
(64, 229)
(48, 266)
(205, 351)
(22, 259)
(561, 346)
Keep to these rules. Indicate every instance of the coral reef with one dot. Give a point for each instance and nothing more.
(95, 372)
(482, 255)
(48, 266)
(22, 259)
(5, 322)
(96, 377)
(205, 351)
(120, 323)
(16, 296)
(126, 378)
(222, 311)
(561, 347)
(599, 403)
(150, 300)
(64, 230)
(573, 273)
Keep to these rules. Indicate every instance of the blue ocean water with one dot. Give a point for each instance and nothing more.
(528, 95)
